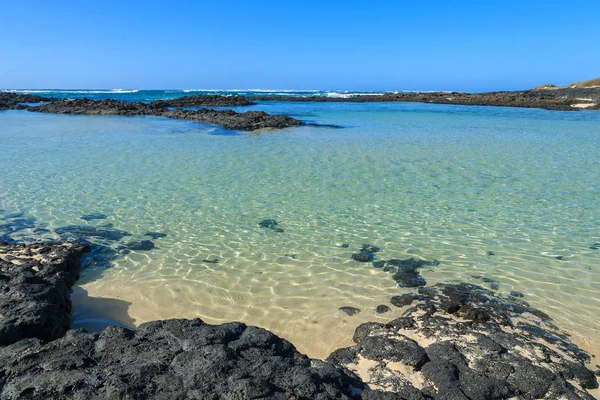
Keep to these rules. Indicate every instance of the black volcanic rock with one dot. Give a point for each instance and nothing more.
(172, 359)
(210, 101)
(228, 119)
(10, 100)
(35, 283)
(466, 342)
(556, 99)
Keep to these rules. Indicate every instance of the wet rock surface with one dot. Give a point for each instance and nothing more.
(172, 359)
(35, 283)
(228, 119)
(461, 341)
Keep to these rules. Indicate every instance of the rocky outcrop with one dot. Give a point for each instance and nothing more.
(559, 99)
(35, 283)
(173, 359)
(228, 119)
(460, 341)
(10, 100)
(210, 101)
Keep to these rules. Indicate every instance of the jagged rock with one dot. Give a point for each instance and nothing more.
(172, 359)
(9, 100)
(462, 341)
(228, 119)
(35, 283)
(210, 101)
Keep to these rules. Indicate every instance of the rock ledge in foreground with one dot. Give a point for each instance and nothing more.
(464, 342)
(35, 283)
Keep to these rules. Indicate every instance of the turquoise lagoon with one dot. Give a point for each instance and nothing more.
(495, 194)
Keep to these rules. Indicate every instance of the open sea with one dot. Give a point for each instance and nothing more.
(502, 197)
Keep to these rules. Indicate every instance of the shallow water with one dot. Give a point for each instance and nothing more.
(450, 183)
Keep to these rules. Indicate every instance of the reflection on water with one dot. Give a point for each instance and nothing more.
(506, 198)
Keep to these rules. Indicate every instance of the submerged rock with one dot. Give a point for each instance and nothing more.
(404, 300)
(35, 283)
(89, 231)
(155, 235)
(363, 257)
(90, 217)
(369, 248)
(382, 308)
(465, 342)
(270, 224)
(350, 310)
(141, 245)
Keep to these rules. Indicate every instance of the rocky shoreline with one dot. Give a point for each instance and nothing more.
(563, 99)
(454, 341)
(566, 99)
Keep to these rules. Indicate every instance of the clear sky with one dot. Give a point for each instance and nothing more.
(471, 45)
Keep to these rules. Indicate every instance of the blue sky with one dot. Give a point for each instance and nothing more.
(353, 45)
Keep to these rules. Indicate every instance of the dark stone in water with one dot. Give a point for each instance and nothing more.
(369, 248)
(560, 257)
(350, 310)
(595, 246)
(155, 235)
(517, 294)
(345, 246)
(494, 286)
(363, 257)
(379, 264)
(407, 274)
(491, 253)
(89, 231)
(487, 280)
(211, 261)
(268, 223)
(141, 245)
(404, 300)
(382, 308)
(16, 224)
(90, 217)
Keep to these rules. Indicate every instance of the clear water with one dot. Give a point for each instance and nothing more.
(419, 180)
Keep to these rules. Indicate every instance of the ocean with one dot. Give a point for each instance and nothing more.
(505, 198)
